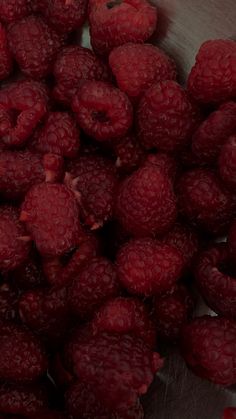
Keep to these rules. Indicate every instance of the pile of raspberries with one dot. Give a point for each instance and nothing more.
(117, 210)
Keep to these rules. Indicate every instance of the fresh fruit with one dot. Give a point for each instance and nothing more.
(5, 54)
(9, 297)
(13, 10)
(166, 162)
(22, 399)
(227, 163)
(129, 153)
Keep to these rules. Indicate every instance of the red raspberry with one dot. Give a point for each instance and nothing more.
(205, 202)
(146, 203)
(8, 302)
(94, 180)
(136, 67)
(166, 117)
(50, 414)
(148, 267)
(213, 77)
(21, 170)
(29, 275)
(14, 244)
(102, 110)
(172, 312)
(59, 135)
(113, 23)
(13, 10)
(118, 367)
(26, 102)
(51, 215)
(129, 153)
(216, 286)
(214, 132)
(77, 336)
(5, 55)
(95, 284)
(165, 162)
(34, 45)
(125, 315)
(227, 163)
(232, 240)
(208, 347)
(74, 65)
(229, 413)
(22, 356)
(22, 399)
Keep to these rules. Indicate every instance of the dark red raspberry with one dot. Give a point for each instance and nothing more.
(50, 414)
(218, 83)
(102, 110)
(14, 243)
(136, 67)
(5, 55)
(208, 347)
(214, 132)
(34, 45)
(205, 202)
(113, 23)
(186, 240)
(166, 117)
(13, 10)
(21, 170)
(9, 296)
(94, 180)
(216, 286)
(229, 413)
(227, 163)
(74, 65)
(29, 275)
(172, 312)
(22, 399)
(232, 240)
(165, 162)
(22, 356)
(129, 153)
(51, 215)
(77, 336)
(146, 203)
(96, 283)
(148, 267)
(25, 103)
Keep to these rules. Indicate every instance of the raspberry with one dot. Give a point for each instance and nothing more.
(59, 135)
(213, 77)
(165, 162)
(125, 315)
(166, 117)
(116, 22)
(102, 110)
(34, 45)
(99, 275)
(214, 132)
(21, 170)
(24, 103)
(51, 215)
(227, 163)
(14, 244)
(75, 64)
(229, 413)
(8, 302)
(94, 179)
(129, 153)
(5, 55)
(22, 356)
(172, 312)
(216, 286)
(13, 10)
(232, 240)
(50, 414)
(205, 202)
(208, 347)
(119, 368)
(148, 267)
(146, 203)
(136, 67)
(29, 275)
(22, 399)
(77, 336)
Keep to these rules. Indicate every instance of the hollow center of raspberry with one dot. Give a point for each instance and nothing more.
(228, 269)
(114, 3)
(100, 116)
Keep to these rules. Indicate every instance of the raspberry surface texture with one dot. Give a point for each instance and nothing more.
(227, 163)
(13, 10)
(9, 296)
(22, 399)
(5, 54)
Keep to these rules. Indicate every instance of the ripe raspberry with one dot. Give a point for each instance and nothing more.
(13, 10)
(22, 399)
(51, 215)
(136, 67)
(213, 77)
(166, 117)
(77, 336)
(59, 135)
(22, 356)
(24, 104)
(227, 163)
(125, 315)
(232, 240)
(74, 65)
(229, 413)
(34, 45)
(21, 170)
(29, 275)
(95, 284)
(14, 244)
(117, 22)
(214, 132)
(5, 55)
(102, 110)
(165, 162)
(119, 368)
(205, 202)
(172, 312)
(208, 347)
(8, 302)
(146, 203)
(216, 286)
(50, 414)
(148, 267)
(129, 153)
